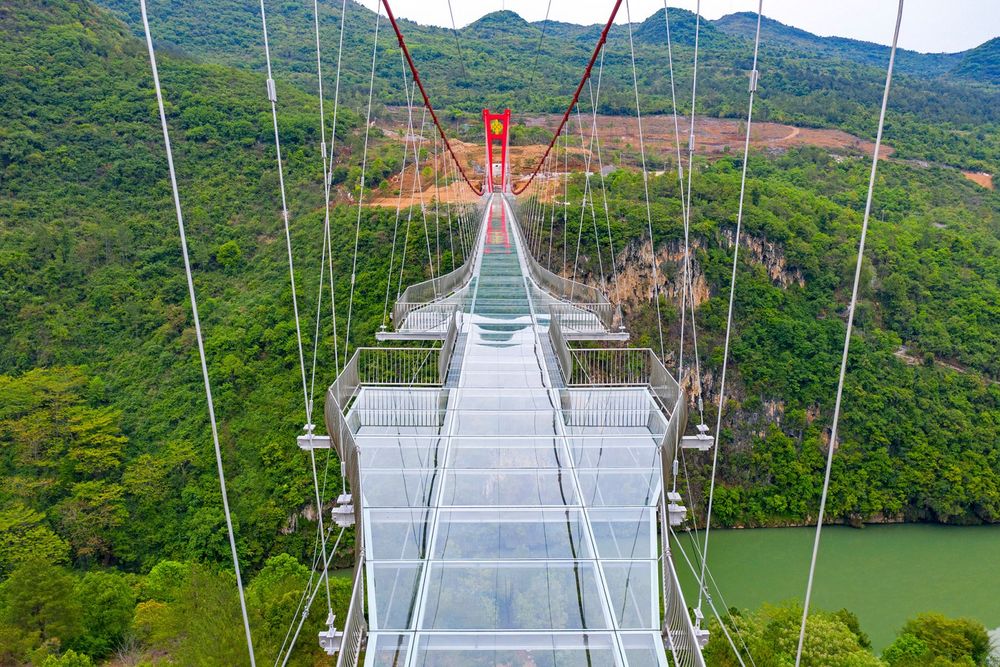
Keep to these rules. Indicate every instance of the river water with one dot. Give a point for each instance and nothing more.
(884, 574)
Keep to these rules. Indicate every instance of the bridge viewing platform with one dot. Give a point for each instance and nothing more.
(507, 490)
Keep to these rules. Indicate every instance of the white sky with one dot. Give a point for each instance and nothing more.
(928, 25)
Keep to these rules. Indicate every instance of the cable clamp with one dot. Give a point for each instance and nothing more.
(272, 91)
(754, 78)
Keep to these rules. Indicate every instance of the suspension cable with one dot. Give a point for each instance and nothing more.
(319, 298)
(576, 96)
(312, 596)
(687, 206)
(197, 328)
(538, 49)
(732, 294)
(458, 39)
(604, 188)
(686, 282)
(711, 603)
(645, 184)
(408, 94)
(847, 336)
(409, 211)
(427, 102)
(361, 192)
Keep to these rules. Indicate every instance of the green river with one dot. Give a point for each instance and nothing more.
(884, 574)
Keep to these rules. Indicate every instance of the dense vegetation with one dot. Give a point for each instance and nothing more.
(918, 442)
(940, 115)
(836, 640)
(105, 451)
(111, 531)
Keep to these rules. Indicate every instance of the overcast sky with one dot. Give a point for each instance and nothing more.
(928, 25)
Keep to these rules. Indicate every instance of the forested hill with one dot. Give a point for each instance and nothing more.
(953, 118)
(112, 535)
(777, 34)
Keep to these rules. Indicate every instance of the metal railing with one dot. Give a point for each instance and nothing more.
(561, 349)
(425, 317)
(384, 366)
(678, 630)
(355, 625)
(416, 297)
(448, 346)
(561, 288)
(416, 366)
(624, 366)
(584, 317)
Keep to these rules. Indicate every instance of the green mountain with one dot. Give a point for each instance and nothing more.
(981, 64)
(805, 79)
(109, 504)
(777, 34)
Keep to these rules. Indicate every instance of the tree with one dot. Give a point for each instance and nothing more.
(165, 581)
(39, 600)
(107, 614)
(24, 536)
(935, 639)
(68, 659)
(772, 635)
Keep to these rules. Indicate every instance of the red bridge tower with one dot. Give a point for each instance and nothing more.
(497, 172)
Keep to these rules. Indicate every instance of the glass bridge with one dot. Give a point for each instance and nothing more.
(506, 488)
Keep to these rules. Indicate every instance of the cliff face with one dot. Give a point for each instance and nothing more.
(748, 417)
(634, 280)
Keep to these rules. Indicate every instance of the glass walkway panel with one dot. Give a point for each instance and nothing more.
(509, 516)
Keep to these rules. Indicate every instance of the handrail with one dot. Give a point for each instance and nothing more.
(448, 346)
(420, 295)
(624, 366)
(561, 349)
(355, 626)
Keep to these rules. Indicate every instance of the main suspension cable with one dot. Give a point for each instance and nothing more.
(197, 329)
(847, 335)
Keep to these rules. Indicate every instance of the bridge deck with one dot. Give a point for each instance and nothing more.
(509, 520)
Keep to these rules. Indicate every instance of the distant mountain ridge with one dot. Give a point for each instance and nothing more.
(945, 106)
(774, 33)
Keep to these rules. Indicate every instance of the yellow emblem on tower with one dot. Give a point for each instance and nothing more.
(496, 126)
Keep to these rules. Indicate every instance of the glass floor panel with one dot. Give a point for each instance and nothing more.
(514, 596)
(511, 534)
(522, 650)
